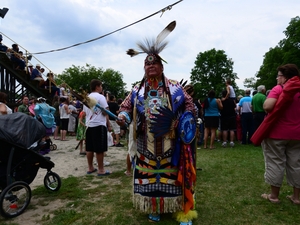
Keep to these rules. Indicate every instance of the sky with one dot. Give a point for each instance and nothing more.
(245, 30)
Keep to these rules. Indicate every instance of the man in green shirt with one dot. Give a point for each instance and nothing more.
(24, 108)
(257, 106)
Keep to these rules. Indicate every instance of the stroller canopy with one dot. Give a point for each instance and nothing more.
(21, 129)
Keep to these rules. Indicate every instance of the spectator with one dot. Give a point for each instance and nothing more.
(230, 90)
(32, 104)
(22, 57)
(114, 108)
(44, 113)
(30, 69)
(4, 109)
(238, 120)
(282, 143)
(3, 48)
(36, 75)
(80, 134)
(96, 133)
(42, 70)
(24, 108)
(257, 106)
(55, 104)
(50, 84)
(123, 129)
(245, 111)
(16, 58)
(228, 119)
(211, 117)
(72, 119)
(63, 91)
(64, 113)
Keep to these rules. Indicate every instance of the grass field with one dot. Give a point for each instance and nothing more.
(228, 192)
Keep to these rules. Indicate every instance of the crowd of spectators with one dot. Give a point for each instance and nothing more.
(21, 63)
(231, 118)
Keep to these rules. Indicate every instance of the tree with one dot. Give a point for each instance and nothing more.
(291, 44)
(211, 70)
(287, 51)
(250, 82)
(79, 77)
(268, 71)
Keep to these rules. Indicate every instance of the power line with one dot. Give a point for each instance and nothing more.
(162, 11)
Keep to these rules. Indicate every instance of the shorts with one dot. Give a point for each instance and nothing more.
(64, 124)
(228, 124)
(96, 139)
(211, 121)
(57, 120)
(115, 126)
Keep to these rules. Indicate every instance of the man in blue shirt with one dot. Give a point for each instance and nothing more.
(244, 109)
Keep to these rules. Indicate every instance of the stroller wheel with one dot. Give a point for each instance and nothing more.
(14, 199)
(52, 181)
(53, 147)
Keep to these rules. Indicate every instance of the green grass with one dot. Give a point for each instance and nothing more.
(228, 192)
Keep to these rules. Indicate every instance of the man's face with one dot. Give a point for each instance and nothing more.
(153, 70)
(25, 101)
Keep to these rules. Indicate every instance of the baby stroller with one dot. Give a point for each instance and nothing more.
(20, 162)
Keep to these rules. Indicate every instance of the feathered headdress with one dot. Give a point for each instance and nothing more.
(154, 46)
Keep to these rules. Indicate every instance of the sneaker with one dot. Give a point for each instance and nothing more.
(224, 144)
(119, 145)
(231, 144)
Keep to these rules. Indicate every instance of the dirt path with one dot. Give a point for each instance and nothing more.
(68, 162)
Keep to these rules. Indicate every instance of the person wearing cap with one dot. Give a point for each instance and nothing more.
(36, 74)
(160, 165)
(244, 108)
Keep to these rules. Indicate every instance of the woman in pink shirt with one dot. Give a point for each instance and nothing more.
(282, 146)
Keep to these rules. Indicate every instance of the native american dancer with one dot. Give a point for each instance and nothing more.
(162, 114)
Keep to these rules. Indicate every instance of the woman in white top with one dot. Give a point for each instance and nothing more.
(4, 109)
(64, 113)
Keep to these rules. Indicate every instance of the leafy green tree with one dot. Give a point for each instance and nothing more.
(211, 70)
(78, 77)
(287, 51)
(250, 82)
(291, 44)
(268, 71)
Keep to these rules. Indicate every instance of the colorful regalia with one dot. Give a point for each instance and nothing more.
(164, 173)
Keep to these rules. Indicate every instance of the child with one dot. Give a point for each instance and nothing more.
(80, 135)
